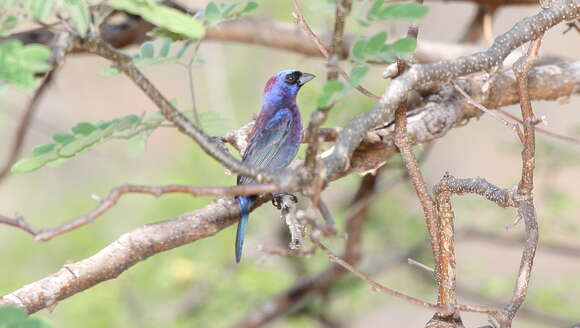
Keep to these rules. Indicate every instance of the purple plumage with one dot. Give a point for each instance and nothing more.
(275, 138)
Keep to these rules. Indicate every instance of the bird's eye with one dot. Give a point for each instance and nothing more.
(291, 78)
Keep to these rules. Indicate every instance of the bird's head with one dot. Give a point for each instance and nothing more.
(285, 85)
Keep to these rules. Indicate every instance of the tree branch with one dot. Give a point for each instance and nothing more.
(116, 193)
(129, 249)
(525, 200)
(308, 288)
(125, 64)
(340, 159)
(24, 125)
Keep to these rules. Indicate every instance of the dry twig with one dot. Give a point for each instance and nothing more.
(116, 193)
(24, 125)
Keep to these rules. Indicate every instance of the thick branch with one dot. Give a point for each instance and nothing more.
(445, 108)
(340, 160)
(131, 248)
(258, 31)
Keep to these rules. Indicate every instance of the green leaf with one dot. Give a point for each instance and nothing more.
(250, 6)
(405, 45)
(406, 11)
(229, 8)
(11, 316)
(8, 24)
(80, 144)
(159, 32)
(103, 124)
(33, 163)
(162, 16)
(19, 64)
(329, 93)
(79, 13)
(375, 9)
(183, 48)
(358, 50)
(135, 128)
(39, 10)
(35, 56)
(6, 4)
(356, 75)
(43, 149)
(63, 138)
(375, 44)
(84, 128)
(333, 86)
(212, 14)
(147, 50)
(165, 46)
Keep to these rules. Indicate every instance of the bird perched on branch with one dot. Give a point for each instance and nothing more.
(275, 138)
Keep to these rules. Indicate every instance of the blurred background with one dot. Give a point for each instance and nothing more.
(199, 285)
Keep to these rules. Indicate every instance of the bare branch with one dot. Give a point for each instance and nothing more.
(19, 223)
(310, 287)
(525, 202)
(562, 137)
(445, 310)
(427, 203)
(129, 249)
(24, 125)
(340, 159)
(116, 193)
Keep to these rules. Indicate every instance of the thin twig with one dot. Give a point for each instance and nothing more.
(191, 85)
(24, 125)
(325, 212)
(302, 23)
(420, 265)
(116, 193)
(555, 135)
(375, 285)
(307, 288)
(427, 203)
(342, 11)
(447, 310)
(125, 64)
(525, 202)
(479, 106)
(318, 117)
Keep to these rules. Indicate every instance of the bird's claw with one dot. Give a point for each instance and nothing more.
(278, 200)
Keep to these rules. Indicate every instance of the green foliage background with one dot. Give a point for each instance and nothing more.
(145, 295)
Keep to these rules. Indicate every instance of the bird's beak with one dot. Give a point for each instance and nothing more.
(305, 77)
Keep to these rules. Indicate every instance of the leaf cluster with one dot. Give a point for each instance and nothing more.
(13, 317)
(375, 48)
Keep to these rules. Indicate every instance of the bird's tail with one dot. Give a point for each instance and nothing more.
(245, 204)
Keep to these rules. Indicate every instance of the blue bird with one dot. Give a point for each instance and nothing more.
(275, 138)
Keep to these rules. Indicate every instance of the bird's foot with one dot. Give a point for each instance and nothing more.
(283, 199)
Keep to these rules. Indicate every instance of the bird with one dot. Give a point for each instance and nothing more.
(274, 139)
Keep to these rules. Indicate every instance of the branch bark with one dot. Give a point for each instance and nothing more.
(116, 193)
(525, 30)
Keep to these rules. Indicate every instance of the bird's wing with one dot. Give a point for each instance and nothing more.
(264, 147)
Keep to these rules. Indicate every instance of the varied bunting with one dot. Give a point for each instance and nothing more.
(275, 138)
